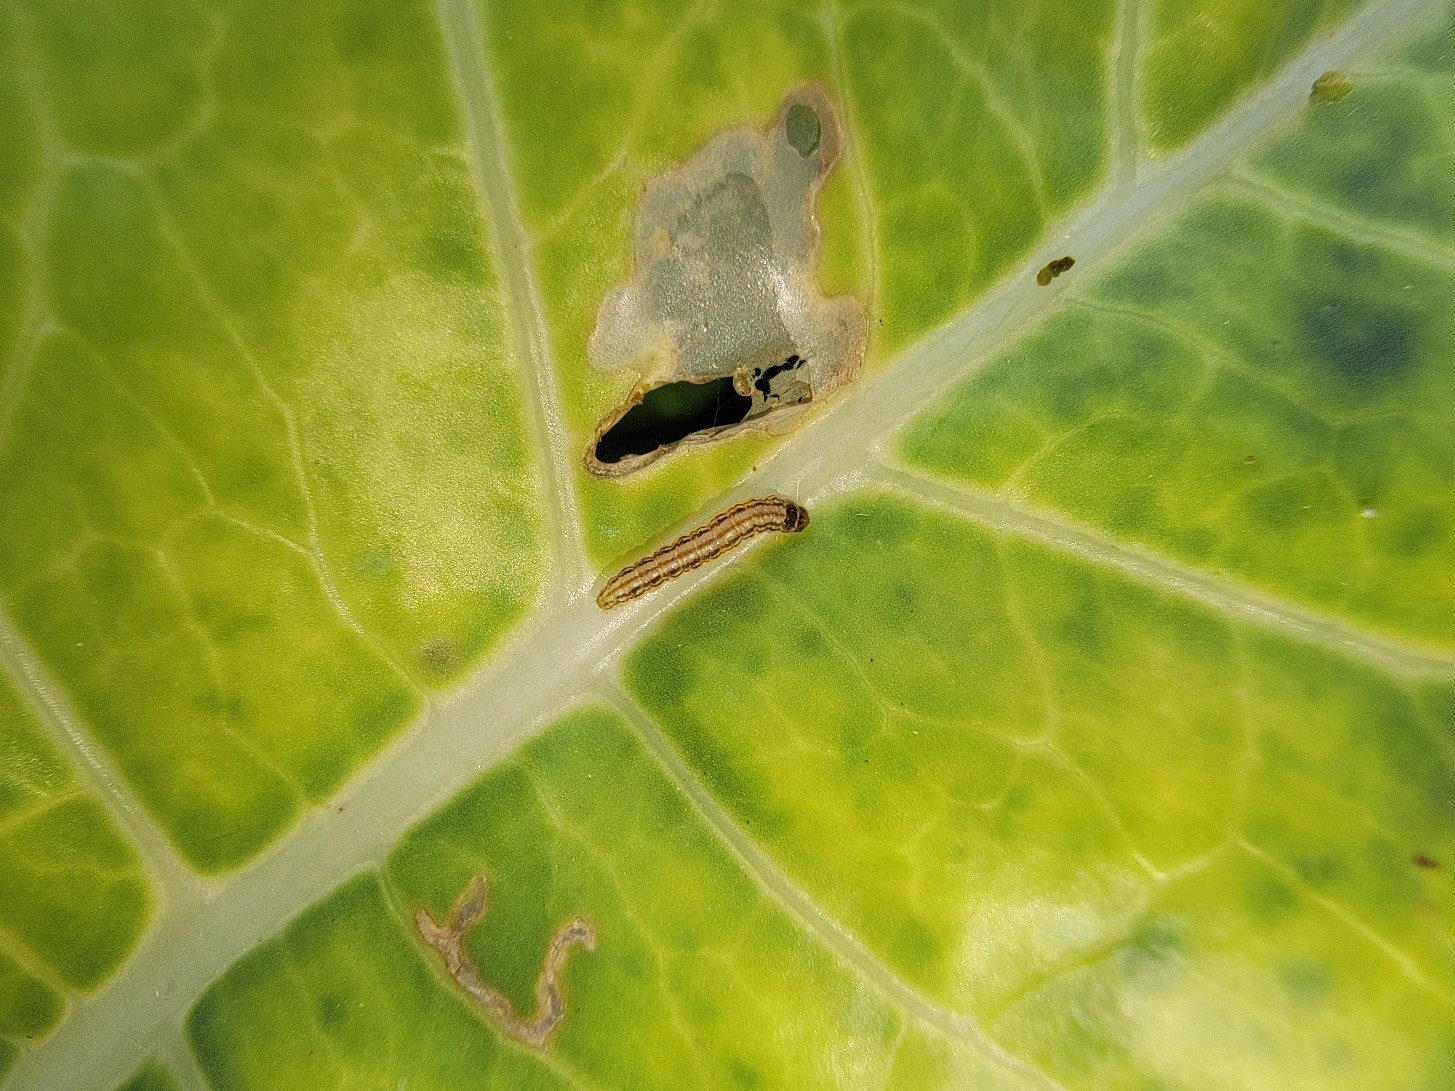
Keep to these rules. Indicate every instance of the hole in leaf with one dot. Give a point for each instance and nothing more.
(722, 318)
(763, 380)
(670, 413)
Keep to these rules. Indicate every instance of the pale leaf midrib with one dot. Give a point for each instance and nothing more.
(96, 773)
(1126, 90)
(558, 653)
(35, 318)
(1156, 570)
(490, 162)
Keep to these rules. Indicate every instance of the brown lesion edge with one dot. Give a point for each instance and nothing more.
(779, 419)
(449, 940)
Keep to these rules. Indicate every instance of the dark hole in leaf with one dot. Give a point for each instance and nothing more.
(763, 380)
(672, 412)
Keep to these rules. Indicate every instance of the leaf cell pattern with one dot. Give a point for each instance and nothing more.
(74, 899)
(1263, 389)
(263, 450)
(1100, 733)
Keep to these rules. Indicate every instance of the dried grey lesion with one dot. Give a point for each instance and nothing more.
(724, 287)
(449, 940)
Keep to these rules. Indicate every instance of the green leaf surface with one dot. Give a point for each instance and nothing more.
(1054, 775)
(221, 481)
(153, 1076)
(1097, 734)
(1263, 389)
(73, 896)
(1203, 54)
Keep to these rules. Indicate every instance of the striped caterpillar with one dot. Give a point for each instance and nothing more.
(698, 546)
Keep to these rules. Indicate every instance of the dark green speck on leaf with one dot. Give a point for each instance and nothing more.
(803, 129)
(1331, 86)
(1365, 347)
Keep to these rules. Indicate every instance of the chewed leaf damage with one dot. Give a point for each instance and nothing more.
(724, 294)
(448, 939)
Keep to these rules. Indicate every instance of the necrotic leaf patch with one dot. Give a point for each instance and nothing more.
(723, 319)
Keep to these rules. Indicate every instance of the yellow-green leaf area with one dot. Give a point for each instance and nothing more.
(966, 129)
(593, 106)
(998, 764)
(978, 123)
(341, 999)
(1201, 56)
(699, 978)
(153, 1076)
(18, 168)
(1331, 910)
(1261, 390)
(73, 897)
(1098, 734)
(1377, 160)
(28, 1010)
(262, 440)
(1235, 976)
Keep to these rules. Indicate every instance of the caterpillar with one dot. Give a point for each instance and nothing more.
(698, 546)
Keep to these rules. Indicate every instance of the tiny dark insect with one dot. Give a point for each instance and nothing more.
(1053, 269)
(698, 546)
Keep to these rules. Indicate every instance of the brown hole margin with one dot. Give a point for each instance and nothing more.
(633, 333)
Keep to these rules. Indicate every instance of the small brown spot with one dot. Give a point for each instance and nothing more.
(1429, 863)
(1331, 86)
(1053, 269)
(438, 655)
